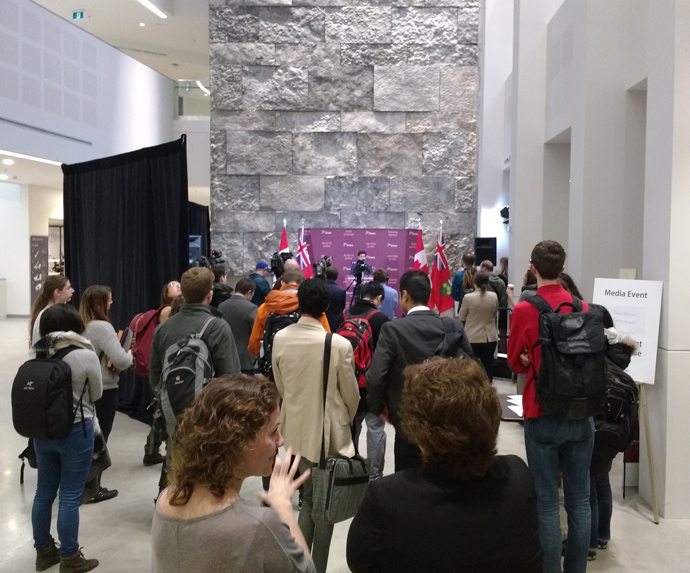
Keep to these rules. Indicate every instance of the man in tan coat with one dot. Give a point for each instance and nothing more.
(298, 361)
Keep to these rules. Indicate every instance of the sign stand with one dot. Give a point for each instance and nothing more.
(650, 457)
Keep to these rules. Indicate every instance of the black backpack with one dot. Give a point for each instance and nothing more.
(274, 324)
(571, 383)
(42, 397)
(451, 345)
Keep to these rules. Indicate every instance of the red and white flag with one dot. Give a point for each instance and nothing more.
(420, 263)
(303, 256)
(440, 278)
(284, 248)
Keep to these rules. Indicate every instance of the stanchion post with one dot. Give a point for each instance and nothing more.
(650, 455)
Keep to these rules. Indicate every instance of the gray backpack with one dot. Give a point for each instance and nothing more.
(187, 368)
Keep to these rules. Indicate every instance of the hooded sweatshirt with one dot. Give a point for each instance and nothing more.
(283, 301)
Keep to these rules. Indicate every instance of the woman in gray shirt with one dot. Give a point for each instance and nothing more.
(229, 433)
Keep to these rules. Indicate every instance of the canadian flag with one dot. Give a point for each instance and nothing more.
(284, 248)
(420, 263)
(303, 256)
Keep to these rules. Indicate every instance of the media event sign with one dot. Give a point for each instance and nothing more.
(635, 307)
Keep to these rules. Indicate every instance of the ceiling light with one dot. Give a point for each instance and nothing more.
(8, 161)
(29, 157)
(202, 88)
(142, 24)
(157, 11)
(4, 176)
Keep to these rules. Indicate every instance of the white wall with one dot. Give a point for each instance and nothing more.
(198, 131)
(44, 204)
(14, 238)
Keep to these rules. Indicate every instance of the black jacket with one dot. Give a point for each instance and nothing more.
(408, 340)
(363, 308)
(334, 313)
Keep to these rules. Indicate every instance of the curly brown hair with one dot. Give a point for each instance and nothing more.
(451, 411)
(213, 433)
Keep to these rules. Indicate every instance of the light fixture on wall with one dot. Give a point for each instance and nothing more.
(505, 212)
(202, 88)
(155, 9)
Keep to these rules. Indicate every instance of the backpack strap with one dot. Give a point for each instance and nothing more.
(326, 368)
(200, 334)
(372, 313)
(60, 355)
(539, 302)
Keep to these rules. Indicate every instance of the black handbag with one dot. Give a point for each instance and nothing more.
(340, 483)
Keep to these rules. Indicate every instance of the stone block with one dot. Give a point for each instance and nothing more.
(466, 194)
(357, 194)
(242, 54)
(259, 247)
(443, 54)
(275, 88)
(468, 22)
(372, 220)
(458, 223)
(248, 120)
(389, 155)
(226, 87)
(259, 153)
(233, 248)
(406, 88)
(359, 25)
(281, 193)
(234, 193)
(342, 88)
(243, 221)
(218, 147)
(422, 194)
(292, 25)
(421, 122)
(233, 24)
(372, 54)
(373, 121)
(450, 153)
(312, 219)
(307, 121)
(431, 26)
(325, 153)
(459, 90)
(297, 55)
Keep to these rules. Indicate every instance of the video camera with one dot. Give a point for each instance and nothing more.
(278, 262)
(321, 265)
(216, 259)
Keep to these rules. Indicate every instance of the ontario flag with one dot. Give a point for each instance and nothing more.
(303, 256)
(284, 248)
(420, 256)
(440, 279)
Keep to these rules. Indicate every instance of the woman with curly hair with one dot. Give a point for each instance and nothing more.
(230, 432)
(466, 510)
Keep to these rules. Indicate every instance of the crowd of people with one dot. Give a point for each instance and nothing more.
(258, 376)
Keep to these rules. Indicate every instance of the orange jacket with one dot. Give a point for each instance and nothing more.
(281, 301)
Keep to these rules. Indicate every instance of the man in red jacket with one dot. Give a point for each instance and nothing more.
(552, 445)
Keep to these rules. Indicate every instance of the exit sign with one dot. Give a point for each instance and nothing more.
(77, 15)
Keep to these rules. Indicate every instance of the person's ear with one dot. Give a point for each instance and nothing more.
(209, 297)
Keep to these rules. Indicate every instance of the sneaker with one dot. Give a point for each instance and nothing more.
(47, 557)
(77, 563)
(153, 459)
(603, 544)
(591, 555)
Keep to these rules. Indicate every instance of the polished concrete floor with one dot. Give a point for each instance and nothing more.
(117, 532)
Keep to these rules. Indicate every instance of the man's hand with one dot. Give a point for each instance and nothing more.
(524, 358)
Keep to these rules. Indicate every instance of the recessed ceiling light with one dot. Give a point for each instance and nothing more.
(8, 161)
(142, 24)
(157, 11)
(4, 176)
(22, 156)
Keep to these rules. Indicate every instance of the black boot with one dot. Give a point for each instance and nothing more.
(77, 563)
(47, 557)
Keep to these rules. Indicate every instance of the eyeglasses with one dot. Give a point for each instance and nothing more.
(174, 284)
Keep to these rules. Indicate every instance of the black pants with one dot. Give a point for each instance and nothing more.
(485, 353)
(407, 455)
(106, 408)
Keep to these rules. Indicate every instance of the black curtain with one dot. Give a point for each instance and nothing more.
(127, 227)
(200, 224)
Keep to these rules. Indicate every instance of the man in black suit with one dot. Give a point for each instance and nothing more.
(240, 313)
(334, 313)
(410, 340)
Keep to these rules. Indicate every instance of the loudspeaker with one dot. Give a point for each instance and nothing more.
(484, 249)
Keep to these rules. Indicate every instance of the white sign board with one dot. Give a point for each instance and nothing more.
(635, 307)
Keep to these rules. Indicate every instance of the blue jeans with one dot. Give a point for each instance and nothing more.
(376, 440)
(63, 463)
(601, 502)
(564, 445)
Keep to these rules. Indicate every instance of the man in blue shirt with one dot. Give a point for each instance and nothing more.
(262, 286)
(390, 298)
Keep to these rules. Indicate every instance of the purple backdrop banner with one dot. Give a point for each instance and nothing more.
(391, 249)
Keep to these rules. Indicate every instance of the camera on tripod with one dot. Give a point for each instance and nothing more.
(321, 265)
(278, 263)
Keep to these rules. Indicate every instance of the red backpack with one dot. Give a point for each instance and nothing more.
(143, 326)
(358, 331)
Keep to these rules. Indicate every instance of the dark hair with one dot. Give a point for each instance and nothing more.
(94, 304)
(371, 290)
(504, 266)
(530, 278)
(548, 257)
(487, 265)
(468, 278)
(361, 253)
(606, 315)
(381, 276)
(214, 432)
(292, 276)
(313, 296)
(165, 299)
(331, 273)
(196, 283)
(417, 285)
(176, 305)
(245, 285)
(566, 281)
(468, 260)
(218, 273)
(449, 408)
(60, 317)
(45, 297)
(481, 280)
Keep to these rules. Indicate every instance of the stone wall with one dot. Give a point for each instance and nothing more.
(342, 113)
